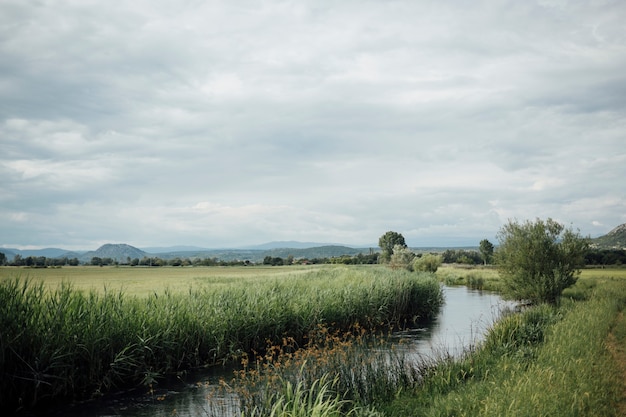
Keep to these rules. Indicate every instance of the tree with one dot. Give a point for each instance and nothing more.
(538, 260)
(402, 257)
(387, 242)
(486, 251)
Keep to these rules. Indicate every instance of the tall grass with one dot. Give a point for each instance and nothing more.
(546, 361)
(66, 343)
(364, 370)
(475, 277)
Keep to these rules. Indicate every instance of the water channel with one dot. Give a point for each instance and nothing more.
(462, 321)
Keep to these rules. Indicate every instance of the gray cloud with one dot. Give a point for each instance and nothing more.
(228, 123)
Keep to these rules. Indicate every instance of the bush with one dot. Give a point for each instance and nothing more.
(538, 260)
(427, 263)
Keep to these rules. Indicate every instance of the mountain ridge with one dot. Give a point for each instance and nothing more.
(615, 239)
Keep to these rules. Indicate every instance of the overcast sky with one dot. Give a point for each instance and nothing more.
(229, 123)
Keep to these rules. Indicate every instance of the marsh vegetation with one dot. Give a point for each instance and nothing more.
(562, 359)
(64, 343)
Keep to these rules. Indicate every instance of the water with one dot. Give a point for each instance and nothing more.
(462, 322)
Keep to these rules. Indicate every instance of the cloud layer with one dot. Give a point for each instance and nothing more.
(232, 123)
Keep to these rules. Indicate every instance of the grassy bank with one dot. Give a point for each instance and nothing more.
(546, 361)
(60, 343)
(475, 277)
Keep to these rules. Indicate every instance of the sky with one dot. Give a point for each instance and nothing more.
(233, 123)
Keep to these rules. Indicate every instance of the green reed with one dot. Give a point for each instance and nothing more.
(64, 343)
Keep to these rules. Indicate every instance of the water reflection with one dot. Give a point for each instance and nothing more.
(462, 322)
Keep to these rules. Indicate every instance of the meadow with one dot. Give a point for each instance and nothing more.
(564, 360)
(145, 281)
(73, 333)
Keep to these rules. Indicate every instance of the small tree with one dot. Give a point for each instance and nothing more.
(486, 251)
(427, 263)
(402, 257)
(387, 242)
(538, 260)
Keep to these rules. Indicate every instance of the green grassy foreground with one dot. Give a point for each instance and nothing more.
(59, 343)
(545, 361)
(568, 360)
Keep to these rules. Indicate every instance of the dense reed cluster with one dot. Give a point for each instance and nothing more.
(352, 371)
(64, 343)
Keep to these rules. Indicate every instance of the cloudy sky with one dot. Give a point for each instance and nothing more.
(230, 123)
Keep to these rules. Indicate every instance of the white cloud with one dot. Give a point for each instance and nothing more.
(233, 122)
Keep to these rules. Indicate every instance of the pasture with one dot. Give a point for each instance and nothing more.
(141, 281)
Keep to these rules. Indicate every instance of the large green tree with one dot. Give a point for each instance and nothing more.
(538, 260)
(387, 242)
(486, 251)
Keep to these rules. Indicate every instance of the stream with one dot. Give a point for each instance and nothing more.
(462, 322)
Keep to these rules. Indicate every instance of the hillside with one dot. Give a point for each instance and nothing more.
(257, 255)
(615, 239)
(118, 251)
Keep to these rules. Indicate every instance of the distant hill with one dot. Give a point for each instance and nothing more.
(290, 244)
(615, 239)
(25, 253)
(170, 249)
(118, 251)
(257, 255)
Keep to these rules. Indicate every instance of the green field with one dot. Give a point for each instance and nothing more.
(77, 332)
(145, 280)
(72, 332)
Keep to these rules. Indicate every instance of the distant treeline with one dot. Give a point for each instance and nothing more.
(595, 257)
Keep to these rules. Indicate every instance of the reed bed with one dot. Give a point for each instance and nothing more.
(61, 344)
(349, 372)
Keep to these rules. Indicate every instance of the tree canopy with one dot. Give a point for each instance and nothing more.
(387, 242)
(538, 260)
(486, 251)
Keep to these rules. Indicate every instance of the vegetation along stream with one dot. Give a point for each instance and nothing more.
(461, 322)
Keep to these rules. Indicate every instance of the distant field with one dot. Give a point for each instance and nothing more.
(606, 272)
(145, 280)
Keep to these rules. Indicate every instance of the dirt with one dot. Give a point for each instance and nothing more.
(617, 348)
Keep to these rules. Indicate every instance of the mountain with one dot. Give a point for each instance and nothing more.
(25, 253)
(615, 239)
(289, 244)
(170, 249)
(118, 251)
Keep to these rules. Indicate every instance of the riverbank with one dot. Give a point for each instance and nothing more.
(62, 344)
(545, 361)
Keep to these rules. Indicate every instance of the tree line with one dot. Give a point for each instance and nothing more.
(387, 242)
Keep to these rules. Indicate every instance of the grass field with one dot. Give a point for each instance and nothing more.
(565, 360)
(145, 280)
(76, 332)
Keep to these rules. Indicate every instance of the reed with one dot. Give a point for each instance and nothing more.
(63, 343)
(364, 373)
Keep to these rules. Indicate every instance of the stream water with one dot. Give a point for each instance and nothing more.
(462, 321)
